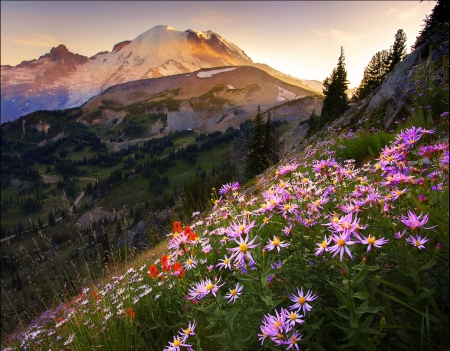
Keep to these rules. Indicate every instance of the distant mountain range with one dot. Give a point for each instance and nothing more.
(61, 79)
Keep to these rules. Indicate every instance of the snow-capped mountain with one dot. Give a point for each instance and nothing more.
(61, 79)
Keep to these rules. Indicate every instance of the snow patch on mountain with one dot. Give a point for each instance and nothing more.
(209, 74)
(284, 94)
(230, 87)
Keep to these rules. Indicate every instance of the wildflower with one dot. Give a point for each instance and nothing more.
(293, 339)
(340, 245)
(69, 339)
(371, 240)
(415, 221)
(229, 188)
(178, 269)
(301, 300)
(185, 333)
(234, 294)
(130, 313)
(417, 241)
(177, 228)
(176, 344)
(153, 271)
(275, 243)
(295, 317)
(203, 288)
(399, 235)
(242, 250)
(224, 263)
(190, 263)
(322, 246)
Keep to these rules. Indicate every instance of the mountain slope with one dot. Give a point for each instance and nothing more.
(61, 79)
(207, 100)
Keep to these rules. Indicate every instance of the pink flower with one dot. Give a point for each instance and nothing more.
(417, 241)
(371, 240)
(275, 243)
(341, 242)
(415, 221)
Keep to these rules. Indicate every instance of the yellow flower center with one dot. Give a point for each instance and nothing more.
(341, 242)
(371, 240)
(265, 220)
(287, 207)
(189, 261)
(390, 158)
(280, 336)
(293, 340)
(176, 342)
(276, 242)
(243, 247)
(241, 228)
(225, 261)
(416, 243)
(209, 286)
(277, 324)
(233, 292)
(335, 219)
(293, 316)
(301, 300)
(187, 331)
(324, 244)
(175, 234)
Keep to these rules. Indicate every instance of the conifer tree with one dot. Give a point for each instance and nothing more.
(335, 91)
(398, 50)
(433, 23)
(311, 124)
(374, 74)
(256, 159)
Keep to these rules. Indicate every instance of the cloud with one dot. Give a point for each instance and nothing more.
(408, 15)
(391, 11)
(335, 35)
(38, 40)
(211, 17)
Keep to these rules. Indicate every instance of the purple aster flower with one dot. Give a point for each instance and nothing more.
(371, 240)
(301, 300)
(234, 294)
(275, 243)
(415, 221)
(240, 252)
(340, 242)
(417, 241)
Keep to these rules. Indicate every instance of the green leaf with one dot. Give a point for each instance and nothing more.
(354, 322)
(359, 278)
(365, 267)
(361, 295)
(367, 345)
(338, 286)
(428, 265)
(224, 340)
(404, 290)
(230, 318)
(426, 293)
(318, 346)
(369, 309)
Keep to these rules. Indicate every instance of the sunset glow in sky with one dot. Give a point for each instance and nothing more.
(301, 38)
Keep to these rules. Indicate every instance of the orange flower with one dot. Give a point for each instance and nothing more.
(177, 228)
(130, 313)
(153, 271)
(178, 269)
(95, 295)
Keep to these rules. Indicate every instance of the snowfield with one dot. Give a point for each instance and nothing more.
(209, 74)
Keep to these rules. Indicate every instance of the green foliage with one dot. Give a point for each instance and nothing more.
(432, 24)
(362, 146)
(334, 89)
(380, 65)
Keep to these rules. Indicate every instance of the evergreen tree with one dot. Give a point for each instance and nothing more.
(374, 74)
(256, 158)
(271, 143)
(335, 87)
(432, 24)
(398, 50)
(51, 218)
(19, 285)
(312, 124)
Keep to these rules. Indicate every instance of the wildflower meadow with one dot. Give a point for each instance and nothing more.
(320, 254)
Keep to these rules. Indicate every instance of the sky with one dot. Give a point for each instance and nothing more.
(300, 38)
